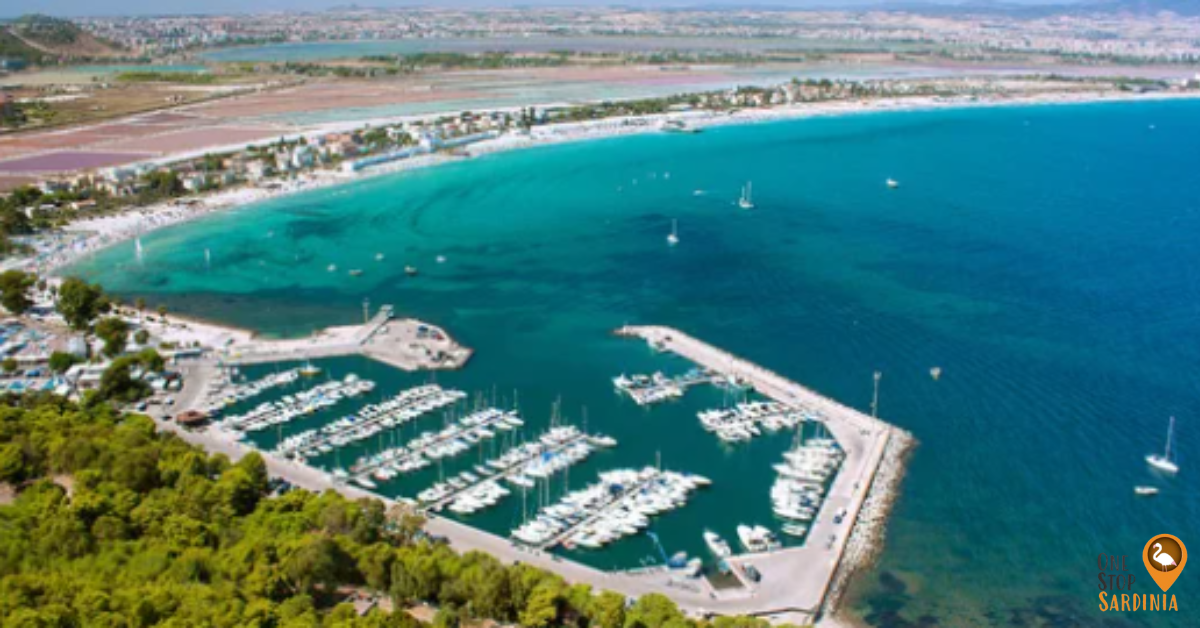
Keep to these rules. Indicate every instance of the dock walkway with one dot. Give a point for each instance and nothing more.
(437, 439)
(600, 512)
(794, 580)
(506, 471)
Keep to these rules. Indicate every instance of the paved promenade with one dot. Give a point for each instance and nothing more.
(407, 344)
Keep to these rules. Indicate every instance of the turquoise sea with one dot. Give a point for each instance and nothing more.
(1044, 257)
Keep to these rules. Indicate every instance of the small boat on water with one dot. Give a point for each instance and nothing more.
(441, 259)
(379, 257)
(331, 268)
(935, 373)
(411, 271)
(795, 529)
(893, 184)
(717, 545)
(309, 370)
(1164, 463)
(746, 201)
(356, 272)
(673, 238)
(1145, 491)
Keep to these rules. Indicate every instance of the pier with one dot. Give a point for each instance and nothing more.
(405, 343)
(657, 388)
(796, 581)
(506, 472)
(408, 406)
(430, 445)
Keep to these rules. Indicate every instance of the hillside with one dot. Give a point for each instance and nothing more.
(45, 37)
(1179, 7)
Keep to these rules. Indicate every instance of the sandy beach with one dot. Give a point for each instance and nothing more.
(87, 236)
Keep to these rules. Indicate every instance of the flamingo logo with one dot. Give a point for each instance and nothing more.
(1165, 556)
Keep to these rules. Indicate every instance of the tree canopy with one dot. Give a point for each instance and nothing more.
(80, 303)
(118, 524)
(14, 290)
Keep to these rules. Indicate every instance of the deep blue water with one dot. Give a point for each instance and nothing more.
(1044, 257)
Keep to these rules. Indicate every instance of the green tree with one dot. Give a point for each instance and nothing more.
(608, 610)
(115, 334)
(9, 365)
(151, 360)
(61, 362)
(141, 336)
(12, 463)
(14, 291)
(80, 303)
(318, 561)
(541, 610)
(652, 610)
(118, 384)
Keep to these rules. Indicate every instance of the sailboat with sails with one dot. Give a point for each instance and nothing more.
(1163, 463)
(746, 201)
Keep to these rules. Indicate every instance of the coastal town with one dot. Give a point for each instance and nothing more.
(1089, 36)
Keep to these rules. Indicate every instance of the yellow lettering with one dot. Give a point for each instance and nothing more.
(1136, 599)
(1124, 601)
(1174, 607)
(1103, 603)
(1154, 603)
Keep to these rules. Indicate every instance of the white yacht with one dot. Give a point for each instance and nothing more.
(750, 539)
(717, 545)
(1145, 491)
(1163, 463)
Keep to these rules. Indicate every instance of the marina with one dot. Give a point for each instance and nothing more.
(820, 482)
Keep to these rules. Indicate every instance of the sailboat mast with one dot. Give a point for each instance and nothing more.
(1170, 431)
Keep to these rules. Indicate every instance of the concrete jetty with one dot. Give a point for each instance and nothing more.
(405, 343)
(796, 582)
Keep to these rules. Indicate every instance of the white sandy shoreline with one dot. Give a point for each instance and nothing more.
(94, 234)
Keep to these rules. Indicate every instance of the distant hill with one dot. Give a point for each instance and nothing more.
(1004, 7)
(1180, 7)
(39, 39)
